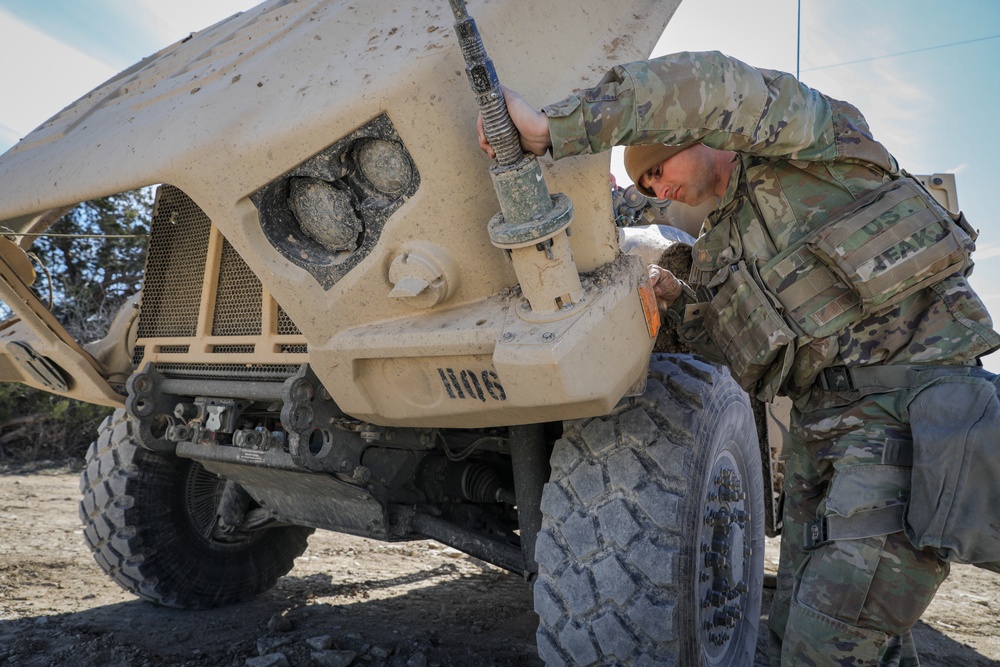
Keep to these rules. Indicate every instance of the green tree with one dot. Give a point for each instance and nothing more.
(89, 262)
(94, 257)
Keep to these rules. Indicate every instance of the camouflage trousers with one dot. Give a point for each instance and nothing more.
(849, 602)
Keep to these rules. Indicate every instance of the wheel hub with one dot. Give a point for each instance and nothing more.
(724, 558)
(202, 491)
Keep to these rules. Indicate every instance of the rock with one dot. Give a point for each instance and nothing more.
(333, 658)
(417, 660)
(269, 660)
(267, 645)
(279, 623)
(381, 652)
(322, 643)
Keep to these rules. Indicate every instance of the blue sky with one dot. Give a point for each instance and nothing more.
(924, 72)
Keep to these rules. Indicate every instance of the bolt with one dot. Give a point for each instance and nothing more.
(548, 335)
(713, 559)
(508, 336)
(722, 518)
(733, 494)
(723, 619)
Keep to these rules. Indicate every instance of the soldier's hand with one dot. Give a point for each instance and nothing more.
(666, 287)
(530, 123)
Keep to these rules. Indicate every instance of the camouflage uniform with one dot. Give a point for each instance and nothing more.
(801, 155)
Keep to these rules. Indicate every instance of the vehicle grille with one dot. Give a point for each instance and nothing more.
(239, 299)
(259, 372)
(175, 266)
(179, 262)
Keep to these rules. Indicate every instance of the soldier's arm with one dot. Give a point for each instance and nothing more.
(707, 97)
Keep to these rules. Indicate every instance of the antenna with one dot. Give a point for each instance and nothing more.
(798, 40)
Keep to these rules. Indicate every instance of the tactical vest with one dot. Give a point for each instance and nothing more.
(759, 307)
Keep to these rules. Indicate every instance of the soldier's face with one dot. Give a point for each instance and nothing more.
(689, 176)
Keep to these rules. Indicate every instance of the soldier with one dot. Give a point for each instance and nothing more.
(785, 161)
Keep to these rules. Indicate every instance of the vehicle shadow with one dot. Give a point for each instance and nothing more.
(450, 619)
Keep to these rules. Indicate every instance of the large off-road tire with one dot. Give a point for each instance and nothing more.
(652, 541)
(148, 519)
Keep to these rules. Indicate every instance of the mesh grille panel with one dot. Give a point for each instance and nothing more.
(175, 266)
(233, 349)
(265, 372)
(239, 299)
(285, 324)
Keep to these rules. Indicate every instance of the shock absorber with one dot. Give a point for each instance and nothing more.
(532, 225)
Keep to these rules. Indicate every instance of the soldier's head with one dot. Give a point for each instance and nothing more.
(689, 173)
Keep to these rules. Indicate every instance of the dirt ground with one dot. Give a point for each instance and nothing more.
(348, 601)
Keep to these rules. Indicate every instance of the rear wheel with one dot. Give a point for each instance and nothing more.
(652, 541)
(149, 519)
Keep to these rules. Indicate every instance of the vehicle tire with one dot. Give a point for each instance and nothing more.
(652, 541)
(148, 518)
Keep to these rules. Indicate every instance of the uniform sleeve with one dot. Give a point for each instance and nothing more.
(704, 97)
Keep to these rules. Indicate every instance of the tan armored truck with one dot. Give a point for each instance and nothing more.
(351, 320)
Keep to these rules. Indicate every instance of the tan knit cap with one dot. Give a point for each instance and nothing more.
(640, 159)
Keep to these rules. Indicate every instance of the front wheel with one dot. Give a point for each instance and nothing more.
(148, 518)
(652, 542)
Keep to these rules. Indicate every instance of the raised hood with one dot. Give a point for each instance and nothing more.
(221, 115)
(242, 98)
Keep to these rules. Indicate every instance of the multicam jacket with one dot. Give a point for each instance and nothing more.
(800, 156)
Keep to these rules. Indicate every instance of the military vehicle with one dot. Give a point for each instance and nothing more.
(345, 325)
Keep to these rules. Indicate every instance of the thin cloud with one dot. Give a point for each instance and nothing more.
(8, 137)
(986, 252)
(53, 75)
(172, 20)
